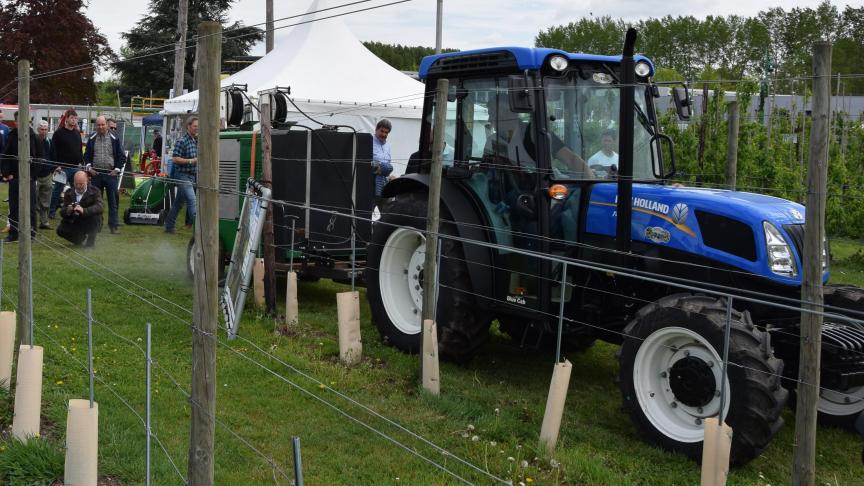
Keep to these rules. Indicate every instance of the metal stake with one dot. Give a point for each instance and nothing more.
(293, 223)
(90, 344)
(353, 205)
(30, 293)
(437, 287)
(561, 313)
(298, 464)
(149, 362)
(726, 333)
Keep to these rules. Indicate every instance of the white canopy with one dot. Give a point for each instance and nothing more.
(334, 79)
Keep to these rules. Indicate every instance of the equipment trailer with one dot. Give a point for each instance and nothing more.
(525, 125)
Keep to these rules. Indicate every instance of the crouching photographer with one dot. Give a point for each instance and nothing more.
(81, 210)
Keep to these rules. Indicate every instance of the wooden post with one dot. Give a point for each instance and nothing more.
(732, 147)
(269, 240)
(433, 211)
(804, 462)
(269, 34)
(180, 48)
(25, 321)
(206, 252)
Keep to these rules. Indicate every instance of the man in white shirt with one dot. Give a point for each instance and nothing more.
(606, 157)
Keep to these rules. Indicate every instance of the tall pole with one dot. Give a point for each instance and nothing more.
(624, 208)
(732, 147)
(269, 34)
(269, 240)
(180, 47)
(433, 210)
(439, 26)
(206, 252)
(25, 278)
(804, 462)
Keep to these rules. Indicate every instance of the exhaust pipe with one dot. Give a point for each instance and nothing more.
(625, 144)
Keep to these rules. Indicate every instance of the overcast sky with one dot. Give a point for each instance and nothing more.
(467, 23)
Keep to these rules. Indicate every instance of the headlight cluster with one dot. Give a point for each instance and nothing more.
(780, 258)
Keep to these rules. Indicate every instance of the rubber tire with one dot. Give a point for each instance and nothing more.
(757, 397)
(844, 297)
(127, 216)
(535, 337)
(234, 106)
(462, 327)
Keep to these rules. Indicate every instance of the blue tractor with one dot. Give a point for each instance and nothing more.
(546, 160)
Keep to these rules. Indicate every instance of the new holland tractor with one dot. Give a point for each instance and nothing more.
(533, 171)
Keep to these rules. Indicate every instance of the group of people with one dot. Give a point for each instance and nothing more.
(92, 172)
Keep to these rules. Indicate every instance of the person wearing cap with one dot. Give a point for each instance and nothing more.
(105, 158)
(9, 170)
(44, 173)
(66, 152)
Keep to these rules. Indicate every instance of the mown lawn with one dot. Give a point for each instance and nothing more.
(489, 412)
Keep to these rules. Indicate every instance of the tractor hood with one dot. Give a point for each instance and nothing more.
(723, 226)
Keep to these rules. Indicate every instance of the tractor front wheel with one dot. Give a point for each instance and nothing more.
(671, 376)
(841, 408)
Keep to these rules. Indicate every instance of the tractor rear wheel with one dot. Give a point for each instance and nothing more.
(671, 376)
(395, 264)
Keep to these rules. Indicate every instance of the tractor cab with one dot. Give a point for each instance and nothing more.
(531, 132)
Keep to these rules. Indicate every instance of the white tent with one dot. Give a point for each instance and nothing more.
(334, 79)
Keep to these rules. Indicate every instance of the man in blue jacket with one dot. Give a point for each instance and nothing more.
(104, 159)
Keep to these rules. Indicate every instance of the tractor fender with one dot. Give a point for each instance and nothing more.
(471, 224)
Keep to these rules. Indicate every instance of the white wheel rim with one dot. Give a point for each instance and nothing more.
(651, 381)
(399, 277)
(841, 403)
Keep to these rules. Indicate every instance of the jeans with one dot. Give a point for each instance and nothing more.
(109, 184)
(58, 188)
(43, 197)
(185, 193)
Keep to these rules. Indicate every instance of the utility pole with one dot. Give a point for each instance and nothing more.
(269, 248)
(25, 277)
(269, 34)
(205, 304)
(732, 147)
(180, 47)
(804, 462)
(439, 26)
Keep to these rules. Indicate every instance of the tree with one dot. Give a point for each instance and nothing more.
(52, 35)
(148, 54)
(403, 58)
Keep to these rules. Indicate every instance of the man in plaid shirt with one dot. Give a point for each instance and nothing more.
(185, 157)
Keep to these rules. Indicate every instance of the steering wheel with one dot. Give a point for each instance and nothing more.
(604, 171)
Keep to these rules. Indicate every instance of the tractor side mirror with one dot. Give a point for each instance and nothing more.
(520, 94)
(683, 105)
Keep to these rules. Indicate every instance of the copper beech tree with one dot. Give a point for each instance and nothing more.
(63, 46)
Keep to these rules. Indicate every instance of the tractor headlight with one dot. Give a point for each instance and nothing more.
(643, 69)
(558, 63)
(780, 258)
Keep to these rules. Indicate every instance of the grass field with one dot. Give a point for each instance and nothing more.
(489, 412)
